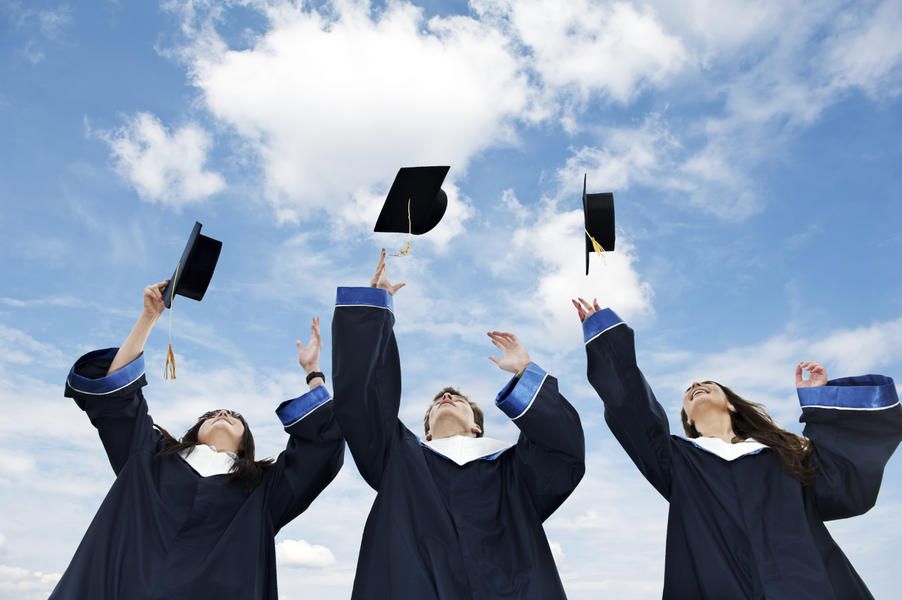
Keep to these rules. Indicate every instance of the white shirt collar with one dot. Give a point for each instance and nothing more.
(462, 449)
(728, 451)
(207, 461)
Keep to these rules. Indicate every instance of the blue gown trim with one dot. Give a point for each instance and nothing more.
(519, 393)
(119, 379)
(364, 296)
(864, 392)
(294, 410)
(599, 322)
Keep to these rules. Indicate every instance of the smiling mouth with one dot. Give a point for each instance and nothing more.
(698, 392)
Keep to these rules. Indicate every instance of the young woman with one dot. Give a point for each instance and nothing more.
(457, 516)
(748, 500)
(193, 518)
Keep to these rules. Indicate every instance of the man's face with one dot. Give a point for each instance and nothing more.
(451, 411)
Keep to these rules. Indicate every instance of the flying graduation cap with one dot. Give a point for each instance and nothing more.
(195, 269)
(598, 210)
(191, 278)
(415, 203)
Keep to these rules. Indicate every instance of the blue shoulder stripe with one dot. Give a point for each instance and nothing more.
(518, 395)
(294, 410)
(598, 323)
(113, 382)
(865, 392)
(363, 296)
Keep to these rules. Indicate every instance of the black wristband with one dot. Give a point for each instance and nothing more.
(314, 374)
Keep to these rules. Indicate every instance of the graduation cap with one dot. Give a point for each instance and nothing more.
(415, 203)
(598, 210)
(191, 278)
(195, 269)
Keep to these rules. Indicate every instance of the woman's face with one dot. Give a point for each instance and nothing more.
(450, 407)
(704, 396)
(222, 429)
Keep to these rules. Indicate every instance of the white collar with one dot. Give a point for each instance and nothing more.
(728, 451)
(462, 449)
(207, 461)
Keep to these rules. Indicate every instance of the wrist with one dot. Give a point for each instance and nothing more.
(313, 368)
(148, 319)
(521, 368)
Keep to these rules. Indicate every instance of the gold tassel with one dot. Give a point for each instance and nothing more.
(406, 249)
(599, 250)
(169, 367)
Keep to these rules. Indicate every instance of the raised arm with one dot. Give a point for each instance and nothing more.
(855, 425)
(550, 454)
(367, 375)
(635, 417)
(315, 450)
(106, 384)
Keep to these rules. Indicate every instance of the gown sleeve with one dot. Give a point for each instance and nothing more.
(114, 403)
(312, 458)
(550, 453)
(855, 424)
(367, 377)
(635, 417)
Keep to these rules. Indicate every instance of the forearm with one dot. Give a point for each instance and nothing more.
(133, 345)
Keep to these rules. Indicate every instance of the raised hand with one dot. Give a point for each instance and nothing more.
(380, 278)
(515, 358)
(584, 309)
(817, 375)
(308, 356)
(153, 300)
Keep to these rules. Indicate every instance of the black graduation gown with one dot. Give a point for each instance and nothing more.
(165, 532)
(744, 528)
(437, 530)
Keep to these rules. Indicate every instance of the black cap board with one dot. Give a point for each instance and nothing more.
(598, 210)
(195, 269)
(428, 201)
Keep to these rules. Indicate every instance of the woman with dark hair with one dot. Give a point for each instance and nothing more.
(196, 517)
(748, 500)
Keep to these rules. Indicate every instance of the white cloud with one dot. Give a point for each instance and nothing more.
(298, 553)
(334, 103)
(164, 166)
(866, 50)
(614, 49)
(651, 154)
(18, 583)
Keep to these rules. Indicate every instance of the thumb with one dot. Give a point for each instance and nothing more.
(495, 359)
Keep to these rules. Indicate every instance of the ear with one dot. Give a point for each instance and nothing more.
(428, 437)
(731, 408)
(475, 428)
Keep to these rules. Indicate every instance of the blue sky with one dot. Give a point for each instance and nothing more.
(753, 149)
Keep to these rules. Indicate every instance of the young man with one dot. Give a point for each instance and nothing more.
(457, 516)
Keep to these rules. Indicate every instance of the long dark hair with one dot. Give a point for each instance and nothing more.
(246, 472)
(751, 420)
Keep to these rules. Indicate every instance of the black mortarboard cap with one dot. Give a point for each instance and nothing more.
(599, 220)
(195, 269)
(428, 201)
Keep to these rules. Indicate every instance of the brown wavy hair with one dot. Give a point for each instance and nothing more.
(750, 420)
(246, 472)
(478, 417)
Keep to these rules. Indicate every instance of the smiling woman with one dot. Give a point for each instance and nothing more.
(196, 517)
(748, 500)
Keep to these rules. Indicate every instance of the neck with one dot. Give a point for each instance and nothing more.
(715, 424)
(220, 444)
(445, 430)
